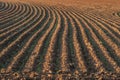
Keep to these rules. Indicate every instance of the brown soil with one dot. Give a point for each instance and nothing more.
(73, 3)
(92, 48)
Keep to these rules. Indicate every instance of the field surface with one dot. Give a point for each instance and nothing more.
(59, 39)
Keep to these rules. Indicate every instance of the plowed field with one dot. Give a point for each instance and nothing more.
(51, 42)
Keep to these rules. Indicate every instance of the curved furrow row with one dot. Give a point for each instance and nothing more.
(113, 38)
(84, 50)
(50, 51)
(109, 25)
(101, 48)
(96, 62)
(8, 17)
(101, 15)
(23, 27)
(26, 14)
(2, 5)
(109, 40)
(64, 50)
(115, 21)
(22, 60)
(18, 10)
(106, 21)
(10, 12)
(19, 41)
(108, 31)
(27, 44)
(114, 28)
(57, 49)
(18, 66)
(78, 53)
(72, 62)
(104, 51)
(2, 15)
(10, 21)
(57, 42)
(20, 26)
(20, 21)
(6, 7)
(29, 66)
(9, 8)
(110, 45)
(115, 32)
(37, 66)
(31, 14)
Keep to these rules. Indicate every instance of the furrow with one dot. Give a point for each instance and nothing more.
(9, 8)
(31, 61)
(19, 10)
(116, 23)
(107, 45)
(64, 49)
(5, 42)
(6, 7)
(20, 27)
(101, 49)
(71, 56)
(108, 32)
(96, 62)
(4, 27)
(114, 46)
(78, 52)
(10, 12)
(14, 44)
(2, 5)
(111, 28)
(50, 51)
(42, 52)
(27, 44)
(28, 51)
(114, 38)
(15, 20)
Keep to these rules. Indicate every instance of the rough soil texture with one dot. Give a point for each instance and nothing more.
(73, 3)
(60, 39)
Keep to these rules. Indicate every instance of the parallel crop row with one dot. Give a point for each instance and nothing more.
(51, 40)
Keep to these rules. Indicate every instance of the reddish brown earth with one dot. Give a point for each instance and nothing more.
(60, 39)
(76, 3)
